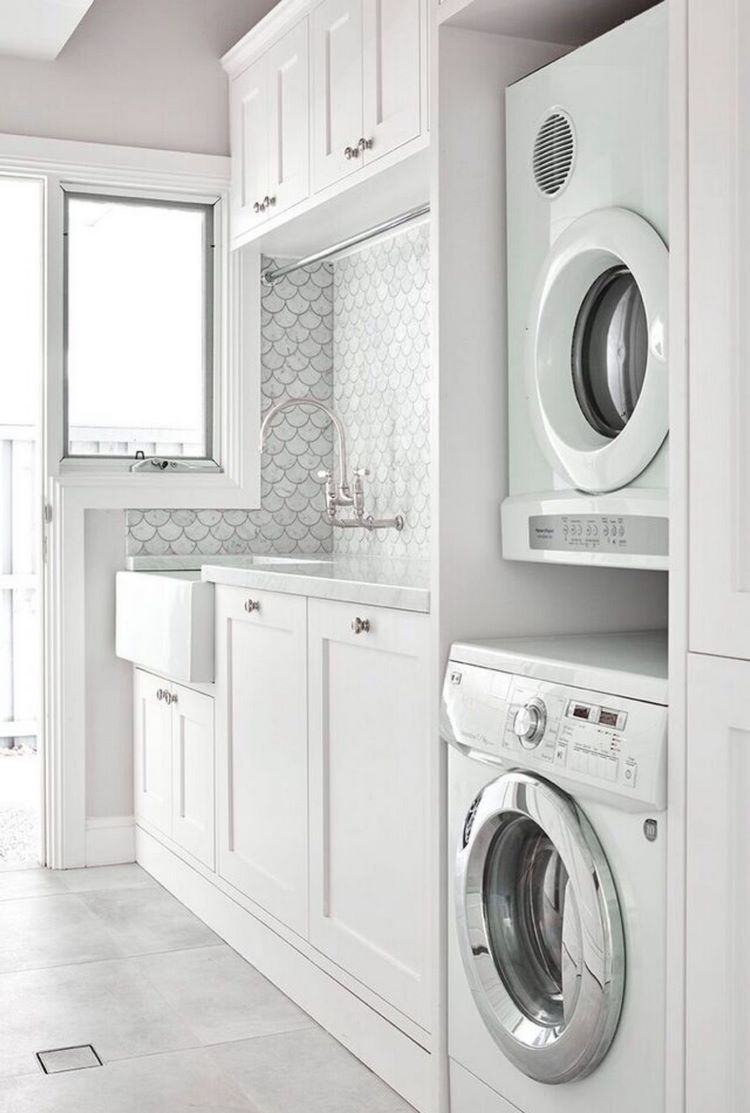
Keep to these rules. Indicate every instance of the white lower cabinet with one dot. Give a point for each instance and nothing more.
(718, 885)
(261, 677)
(174, 763)
(369, 774)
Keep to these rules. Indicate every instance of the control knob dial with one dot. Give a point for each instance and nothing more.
(530, 722)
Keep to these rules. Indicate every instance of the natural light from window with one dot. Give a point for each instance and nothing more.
(139, 339)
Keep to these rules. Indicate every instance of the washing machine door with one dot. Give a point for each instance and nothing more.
(596, 356)
(539, 928)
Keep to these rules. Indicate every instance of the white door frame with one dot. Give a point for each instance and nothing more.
(72, 489)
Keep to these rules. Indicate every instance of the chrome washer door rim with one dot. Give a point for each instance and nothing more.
(544, 1050)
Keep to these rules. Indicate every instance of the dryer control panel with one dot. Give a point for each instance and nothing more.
(574, 735)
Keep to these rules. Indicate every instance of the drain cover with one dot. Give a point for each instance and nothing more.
(68, 1058)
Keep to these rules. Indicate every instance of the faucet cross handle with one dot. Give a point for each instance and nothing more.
(325, 475)
(361, 473)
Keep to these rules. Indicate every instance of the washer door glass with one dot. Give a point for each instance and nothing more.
(539, 928)
(610, 351)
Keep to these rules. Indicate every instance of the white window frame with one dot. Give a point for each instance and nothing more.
(213, 460)
(70, 490)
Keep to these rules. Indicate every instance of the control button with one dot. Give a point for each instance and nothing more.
(630, 774)
(560, 754)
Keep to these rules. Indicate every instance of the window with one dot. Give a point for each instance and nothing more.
(139, 308)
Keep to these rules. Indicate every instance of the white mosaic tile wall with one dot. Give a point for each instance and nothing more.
(381, 385)
(297, 360)
(371, 321)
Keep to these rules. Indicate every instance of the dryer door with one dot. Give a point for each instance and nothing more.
(596, 359)
(540, 928)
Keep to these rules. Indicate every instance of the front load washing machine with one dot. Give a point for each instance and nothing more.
(557, 784)
(587, 208)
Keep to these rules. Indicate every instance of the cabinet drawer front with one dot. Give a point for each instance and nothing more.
(392, 74)
(193, 773)
(336, 59)
(262, 749)
(369, 778)
(153, 752)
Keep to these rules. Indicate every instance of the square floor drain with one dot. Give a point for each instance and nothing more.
(68, 1058)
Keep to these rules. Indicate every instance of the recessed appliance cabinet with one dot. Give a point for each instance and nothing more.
(261, 682)
(319, 93)
(269, 133)
(588, 296)
(369, 754)
(366, 81)
(174, 763)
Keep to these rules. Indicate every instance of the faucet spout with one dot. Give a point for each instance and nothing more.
(338, 427)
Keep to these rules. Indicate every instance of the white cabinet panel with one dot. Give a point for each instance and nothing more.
(719, 327)
(392, 89)
(262, 749)
(288, 101)
(369, 747)
(193, 773)
(248, 102)
(718, 885)
(153, 752)
(336, 59)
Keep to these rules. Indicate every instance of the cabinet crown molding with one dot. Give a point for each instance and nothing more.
(264, 34)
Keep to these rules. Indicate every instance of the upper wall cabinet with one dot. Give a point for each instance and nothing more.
(269, 129)
(319, 94)
(719, 329)
(367, 83)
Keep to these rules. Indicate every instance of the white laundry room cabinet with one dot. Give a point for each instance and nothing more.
(369, 771)
(261, 682)
(174, 763)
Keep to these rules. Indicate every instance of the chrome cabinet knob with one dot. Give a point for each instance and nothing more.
(160, 693)
(364, 144)
(271, 202)
(265, 203)
(529, 723)
(252, 605)
(171, 697)
(257, 207)
(349, 152)
(361, 625)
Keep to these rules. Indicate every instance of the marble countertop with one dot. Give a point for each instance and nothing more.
(378, 581)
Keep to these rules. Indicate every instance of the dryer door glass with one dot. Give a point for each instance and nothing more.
(539, 928)
(610, 351)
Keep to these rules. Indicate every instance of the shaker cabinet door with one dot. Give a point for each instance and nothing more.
(288, 105)
(336, 59)
(248, 121)
(261, 702)
(369, 762)
(392, 72)
(153, 752)
(193, 773)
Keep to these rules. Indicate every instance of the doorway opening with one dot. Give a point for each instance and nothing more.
(21, 362)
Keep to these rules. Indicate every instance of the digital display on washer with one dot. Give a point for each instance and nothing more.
(580, 711)
(600, 533)
(608, 718)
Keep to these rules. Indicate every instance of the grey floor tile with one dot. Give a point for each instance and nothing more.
(146, 920)
(220, 995)
(107, 1004)
(304, 1072)
(29, 883)
(52, 931)
(96, 878)
(174, 1083)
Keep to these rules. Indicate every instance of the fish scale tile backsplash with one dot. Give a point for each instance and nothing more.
(356, 335)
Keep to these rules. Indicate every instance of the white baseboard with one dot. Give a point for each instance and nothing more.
(110, 840)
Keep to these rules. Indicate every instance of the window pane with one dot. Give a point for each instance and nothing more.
(138, 327)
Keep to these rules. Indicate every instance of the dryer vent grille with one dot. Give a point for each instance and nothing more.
(554, 150)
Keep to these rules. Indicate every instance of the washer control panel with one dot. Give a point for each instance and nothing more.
(608, 742)
(600, 533)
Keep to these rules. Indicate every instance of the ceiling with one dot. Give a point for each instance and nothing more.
(569, 22)
(38, 28)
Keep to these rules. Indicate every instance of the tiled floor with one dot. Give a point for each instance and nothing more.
(182, 1023)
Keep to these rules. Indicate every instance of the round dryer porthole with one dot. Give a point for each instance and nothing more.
(540, 929)
(596, 362)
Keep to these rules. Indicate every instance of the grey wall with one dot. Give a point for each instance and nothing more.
(143, 73)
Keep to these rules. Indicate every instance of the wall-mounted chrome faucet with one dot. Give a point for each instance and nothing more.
(343, 494)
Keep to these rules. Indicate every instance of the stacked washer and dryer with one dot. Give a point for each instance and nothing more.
(558, 746)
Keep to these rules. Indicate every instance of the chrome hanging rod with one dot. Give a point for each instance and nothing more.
(271, 276)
